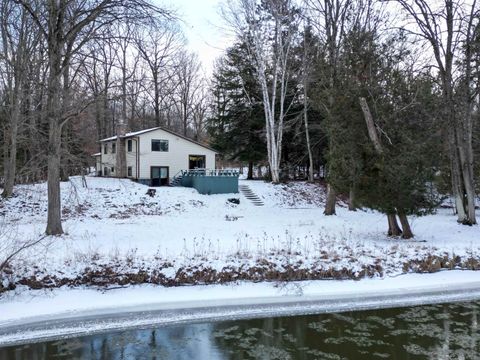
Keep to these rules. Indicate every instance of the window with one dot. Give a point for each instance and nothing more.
(114, 148)
(159, 145)
(105, 149)
(113, 169)
(129, 171)
(105, 171)
(129, 145)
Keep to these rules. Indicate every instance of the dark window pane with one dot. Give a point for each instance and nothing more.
(159, 145)
(129, 145)
(114, 148)
(163, 145)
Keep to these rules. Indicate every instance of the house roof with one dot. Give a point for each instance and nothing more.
(140, 132)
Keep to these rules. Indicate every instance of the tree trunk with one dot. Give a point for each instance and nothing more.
(331, 200)
(351, 200)
(156, 99)
(54, 220)
(372, 131)
(259, 172)
(393, 228)
(11, 151)
(54, 108)
(275, 172)
(250, 170)
(466, 168)
(457, 189)
(407, 231)
(307, 132)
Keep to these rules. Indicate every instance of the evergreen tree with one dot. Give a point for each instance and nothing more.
(237, 127)
(388, 163)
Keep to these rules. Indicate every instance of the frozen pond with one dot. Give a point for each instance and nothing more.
(441, 331)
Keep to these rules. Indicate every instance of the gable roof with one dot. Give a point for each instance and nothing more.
(140, 132)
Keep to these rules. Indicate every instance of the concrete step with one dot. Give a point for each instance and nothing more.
(250, 195)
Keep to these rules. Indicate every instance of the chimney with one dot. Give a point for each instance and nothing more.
(121, 156)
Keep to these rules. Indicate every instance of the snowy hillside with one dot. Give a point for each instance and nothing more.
(114, 231)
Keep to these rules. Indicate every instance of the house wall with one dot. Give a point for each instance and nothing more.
(108, 160)
(177, 156)
(132, 158)
(98, 164)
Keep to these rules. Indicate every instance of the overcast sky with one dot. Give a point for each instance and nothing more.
(203, 27)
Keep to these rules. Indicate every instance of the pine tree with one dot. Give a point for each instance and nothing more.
(237, 128)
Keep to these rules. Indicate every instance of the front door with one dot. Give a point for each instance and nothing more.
(159, 175)
(196, 162)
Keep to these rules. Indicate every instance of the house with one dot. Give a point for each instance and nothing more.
(153, 157)
(98, 162)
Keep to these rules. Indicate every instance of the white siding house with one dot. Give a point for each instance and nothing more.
(155, 156)
(98, 162)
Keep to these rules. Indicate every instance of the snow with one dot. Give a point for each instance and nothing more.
(130, 134)
(114, 221)
(75, 312)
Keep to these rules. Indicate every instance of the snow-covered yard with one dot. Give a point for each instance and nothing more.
(114, 220)
(115, 234)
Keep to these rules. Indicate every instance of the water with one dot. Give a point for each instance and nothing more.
(446, 331)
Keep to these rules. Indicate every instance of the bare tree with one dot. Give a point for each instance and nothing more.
(199, 112)
(157, 47)
(98, 77)
(66, 26)
(187, 77)
(308, 63)
(17, 46)
(269, 31)
(450, 28)
(127, 63)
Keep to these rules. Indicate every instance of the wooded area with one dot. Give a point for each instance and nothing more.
(379, 99)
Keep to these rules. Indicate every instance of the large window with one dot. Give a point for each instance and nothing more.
(159, 145)
(114, 148)
(129, 145)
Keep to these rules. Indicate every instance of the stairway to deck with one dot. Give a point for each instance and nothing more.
(176, 181)
(250, 195)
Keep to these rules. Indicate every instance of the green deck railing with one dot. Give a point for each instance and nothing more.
(211, 181)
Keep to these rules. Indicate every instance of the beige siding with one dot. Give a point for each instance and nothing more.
(98, 164)
(132, 158)
(108, 160)
(177, 156)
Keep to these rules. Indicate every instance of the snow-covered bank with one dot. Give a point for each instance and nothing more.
(182, 237)
(38, 315)
(116, 235)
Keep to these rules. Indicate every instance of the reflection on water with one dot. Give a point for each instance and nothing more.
(448, 331)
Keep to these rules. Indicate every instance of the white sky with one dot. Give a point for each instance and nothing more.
(204, 28)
